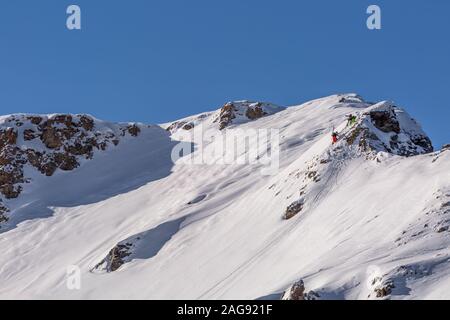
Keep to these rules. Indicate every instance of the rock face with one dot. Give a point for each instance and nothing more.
(242, 111)
(293, 209)
(49, 143)
(180, 125)
(3, 211)
(295, 292)
(227, 114)
(385, 121)
(115, 258)
(231, 113)
(385, 127)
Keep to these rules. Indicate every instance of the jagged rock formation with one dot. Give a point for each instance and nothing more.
(293, 209)
(115, 258)
(236, 112)
(385, 127)
(180, 125)
(3, 211)
(295, 292)
(240, 111)
(49, 143)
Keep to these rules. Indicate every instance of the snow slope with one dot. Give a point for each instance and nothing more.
(373, 221)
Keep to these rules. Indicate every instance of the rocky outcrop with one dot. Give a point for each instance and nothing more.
(231, 113)
(115, 258)
(293, 209)
(58, 142)
(295, 292)
(243, 111)
(134, 130)
(382, 287)
(29, 134)
(7, 137)
(3, 211)
(226, 116)
(385, 127)
(385, 121)
(255, 111)
(180, 125)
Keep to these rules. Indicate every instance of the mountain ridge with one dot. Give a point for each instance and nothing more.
(364, 218)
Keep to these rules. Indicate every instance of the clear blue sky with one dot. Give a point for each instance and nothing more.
(159, 60)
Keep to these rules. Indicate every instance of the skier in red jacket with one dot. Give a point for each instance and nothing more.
(334, 137)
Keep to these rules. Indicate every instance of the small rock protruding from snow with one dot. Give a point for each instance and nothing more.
(295, 292)
(115, 258)
(293, 209)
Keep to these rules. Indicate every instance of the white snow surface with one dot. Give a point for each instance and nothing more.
(216, 231)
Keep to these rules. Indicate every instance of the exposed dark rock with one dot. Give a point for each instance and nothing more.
(80, 149)
(176, 125)
(35, 120)
(7, 137)
(29, 134)
(227, 114)
(10, 191)
(442, 229)
(293, 209)
(87, 123)
(51, 138)
(3, 211)
(354, 134)
(385, 289)
(188, 126)
(255, 112)
(296, 292)
(115, 258)
(134, 130)
(67, 137)
(65, 162)
(12, 175)
(385, 121)
(423, 142)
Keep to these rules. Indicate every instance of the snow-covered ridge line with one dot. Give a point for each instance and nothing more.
(231, 113)
(367, 217)
(49, 143)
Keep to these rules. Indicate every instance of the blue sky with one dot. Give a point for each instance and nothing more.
(159, 60)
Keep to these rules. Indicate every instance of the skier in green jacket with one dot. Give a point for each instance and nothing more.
(351, 120)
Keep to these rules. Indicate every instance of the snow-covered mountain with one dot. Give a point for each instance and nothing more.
(365, 218)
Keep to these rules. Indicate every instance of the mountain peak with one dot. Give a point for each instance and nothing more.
(363, 218)
(231, 113)
(386, 127)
